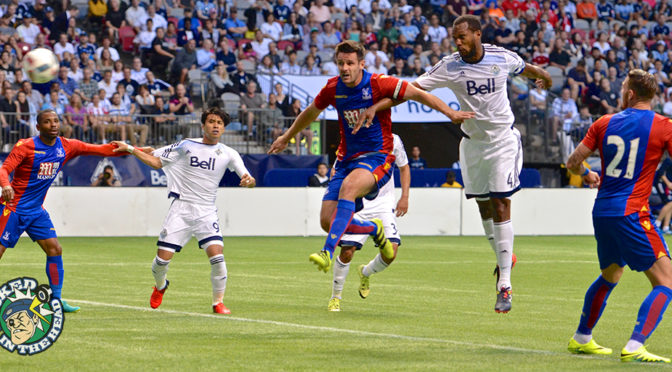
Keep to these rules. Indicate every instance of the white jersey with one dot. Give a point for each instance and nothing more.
(479, 87)
(194, 169)
(386, 201)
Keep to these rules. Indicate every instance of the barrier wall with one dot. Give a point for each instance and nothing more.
(91, 211)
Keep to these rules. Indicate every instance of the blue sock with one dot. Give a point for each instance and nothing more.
(344, 211)
(594, 304)
(55, 274)
(651, 312)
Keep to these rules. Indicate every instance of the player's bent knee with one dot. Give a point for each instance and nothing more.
(347, 253)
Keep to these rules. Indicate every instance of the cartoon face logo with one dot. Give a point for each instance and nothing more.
(30, 319)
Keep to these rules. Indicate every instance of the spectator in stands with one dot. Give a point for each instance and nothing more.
(63, 46)
(400, 68)
(28, 30)
(273, 53)
(241, 78)
(310, 67)
(97, 11)
(114, 54)
(272, 118)
(220, 78)
(52, 103)
(260, 44)
(32, 95)
(578, 79)
(250, 103)
(76, 117)
(559, 57)
(184, 61)
(26, 114)
(157, 86)
(389, 31)
(117, 72)
(131, 86)
(605, 11)
(564, 112)
(210, 32)
(266, 67)
(119, 118)
(106, 178)
(321, 177)
(538, 98)
(205, 56)
(456, 8)
(143, 40)
(225, 55)
(609, 100)
(436, 31)
(164, 123)
(136, 15)
(503, 35)
(66, 83)
(320, 11)
(180, 104)
(107, 85)
(97, 116)
(540, 56)
(292, 30)
(291, 67)
(271, 29)
(114, 20)
(281, 11)
(162, 53)
(450, 180)
(328, 38)
(585, 9)
(61, 22)
(370, 57)
(144, 100)
(423, 39)
(378, 67)
(186, 34)
(416, 162)
(235, 28)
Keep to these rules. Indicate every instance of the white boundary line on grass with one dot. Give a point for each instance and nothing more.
(329, 329)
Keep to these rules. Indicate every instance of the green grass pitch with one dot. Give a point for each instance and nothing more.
(431, 310)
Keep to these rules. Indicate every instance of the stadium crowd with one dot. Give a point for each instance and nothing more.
(121, 60)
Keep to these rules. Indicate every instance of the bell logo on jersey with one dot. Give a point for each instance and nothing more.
(48, 170)
(209, 164)
(351, 116)
(487, 88)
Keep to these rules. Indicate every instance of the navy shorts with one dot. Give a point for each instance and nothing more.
(12, 225)
(381, 165)
(631, 240)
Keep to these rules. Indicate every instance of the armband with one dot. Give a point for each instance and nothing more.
(131, 149)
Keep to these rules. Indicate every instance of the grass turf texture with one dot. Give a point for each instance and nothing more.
(431, 310)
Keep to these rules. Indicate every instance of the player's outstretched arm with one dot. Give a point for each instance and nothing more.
(541, 77)
(302, 121)
(405, 178)
(366, 118)
(428, 99)
(144, 157)
(575, 165)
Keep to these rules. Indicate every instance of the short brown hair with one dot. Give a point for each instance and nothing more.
(41, 114)
(473, 22)
(215, 111)
(643, 84)
(351, 46)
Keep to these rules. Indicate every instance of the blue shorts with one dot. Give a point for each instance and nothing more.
(631, 240)
(12, 225)
(381, 165)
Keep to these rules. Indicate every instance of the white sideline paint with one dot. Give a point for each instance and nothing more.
(140, 211)
(319, 328)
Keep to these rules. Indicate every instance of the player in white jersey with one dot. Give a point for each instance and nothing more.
(490, 153)
(382, 207)
(194, 168)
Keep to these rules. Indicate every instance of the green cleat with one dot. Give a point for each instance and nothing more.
(588, 348)
(386, 249)
(322, 259)
(363, 283)
(334, 304)
(69, 309)
(643, 356)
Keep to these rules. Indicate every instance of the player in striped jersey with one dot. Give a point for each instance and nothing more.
(631, 144)
(491, 155)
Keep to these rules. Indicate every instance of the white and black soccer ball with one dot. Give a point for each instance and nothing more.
(41, 65)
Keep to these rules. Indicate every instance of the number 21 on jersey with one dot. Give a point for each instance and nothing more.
(612, 171)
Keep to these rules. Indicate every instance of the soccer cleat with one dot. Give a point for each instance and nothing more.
(322, 259)
(363, 283)
(514, 259)
(157, 296)
(68, 308)
(588, 348)
(334, 304)
(641, 355)
(220, 309)
(379, 239)
(503, 304)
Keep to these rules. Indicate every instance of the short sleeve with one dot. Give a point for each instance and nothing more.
(327, 95)
(401, 159)
(514, 64)
(595, 132)
(170, 154)
(390, 87)
(435, 78)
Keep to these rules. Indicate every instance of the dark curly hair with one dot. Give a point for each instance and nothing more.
(216, 111)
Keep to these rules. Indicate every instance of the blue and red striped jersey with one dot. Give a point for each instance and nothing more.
(36, 165)
(631, 144)
(351, 102)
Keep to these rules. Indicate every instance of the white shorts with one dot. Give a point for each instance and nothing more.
(185, 220)
(389, 224)
(491, 169)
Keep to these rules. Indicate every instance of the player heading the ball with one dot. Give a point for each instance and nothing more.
(365, 160)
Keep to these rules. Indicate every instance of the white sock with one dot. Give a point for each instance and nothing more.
(503, 233)
(340, 272)
(581, 338)
(160, 270)
(632, 346)
(374, 266)
(218, 278)
(489, 227)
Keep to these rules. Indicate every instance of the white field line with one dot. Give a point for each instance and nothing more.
(326, 329)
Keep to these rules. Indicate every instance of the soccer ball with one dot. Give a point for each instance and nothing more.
(41, 65)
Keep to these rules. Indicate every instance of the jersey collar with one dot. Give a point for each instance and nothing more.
(474, 63)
